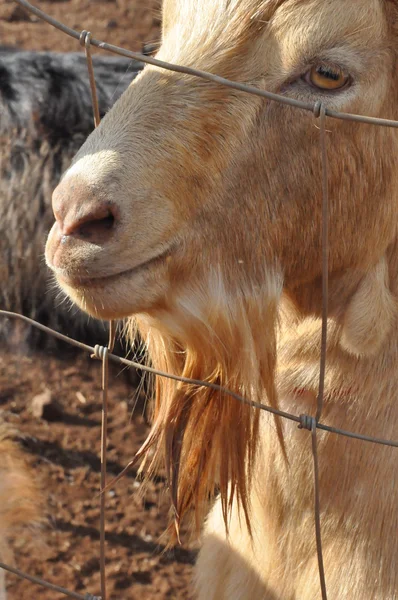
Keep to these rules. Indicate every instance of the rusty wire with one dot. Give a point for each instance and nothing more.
(85, 40)
(104, 435)
(105, 353)
(322, 366)
(204, 74)
(46, 584)
(300, 420)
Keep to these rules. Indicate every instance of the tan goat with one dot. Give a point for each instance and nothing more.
(197, 209)
(20, 499)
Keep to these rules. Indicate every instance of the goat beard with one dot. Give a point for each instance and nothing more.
(205, 439)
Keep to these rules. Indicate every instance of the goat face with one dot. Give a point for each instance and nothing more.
(184, 176)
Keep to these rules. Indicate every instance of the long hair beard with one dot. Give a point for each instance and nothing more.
(205, 439)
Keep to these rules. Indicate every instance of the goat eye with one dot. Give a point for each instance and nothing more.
(327, 77)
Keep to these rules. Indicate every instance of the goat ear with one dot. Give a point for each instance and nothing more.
(370, 314)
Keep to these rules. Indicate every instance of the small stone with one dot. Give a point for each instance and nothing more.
(82, 399)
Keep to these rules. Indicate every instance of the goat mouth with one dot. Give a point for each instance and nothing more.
(82, 281)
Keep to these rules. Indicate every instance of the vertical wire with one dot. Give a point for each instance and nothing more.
(325, 260)
(104, 433)
(85, 38)
(325, 289)
(112, 335)
(317, 512)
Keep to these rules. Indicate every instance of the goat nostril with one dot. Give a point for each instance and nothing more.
(95, 227)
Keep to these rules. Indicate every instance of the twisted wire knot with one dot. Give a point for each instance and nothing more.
(307, 422)
(317, 109)
(100, 352)
(85, 38)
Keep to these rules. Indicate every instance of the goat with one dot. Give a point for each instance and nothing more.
(45, 116)
(51, 91)
(194, 210)
(20, 498)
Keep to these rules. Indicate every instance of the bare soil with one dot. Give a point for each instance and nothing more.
(63, 450)
(63, 446)
(128, 23)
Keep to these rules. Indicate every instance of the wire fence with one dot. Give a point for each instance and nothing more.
(104, 354)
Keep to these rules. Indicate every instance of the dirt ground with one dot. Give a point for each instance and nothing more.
(63, 449)
(128, 23)
(63, 446)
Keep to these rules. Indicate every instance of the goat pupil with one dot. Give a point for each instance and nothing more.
(325, 72)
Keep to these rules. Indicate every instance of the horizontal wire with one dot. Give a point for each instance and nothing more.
(204, 74)
(130, 363)
(196, 382)
(46, 584)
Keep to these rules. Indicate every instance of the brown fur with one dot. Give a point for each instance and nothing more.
(205, 437)
(20, 498)
(216, 247)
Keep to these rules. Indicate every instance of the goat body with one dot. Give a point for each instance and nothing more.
(20, 499)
